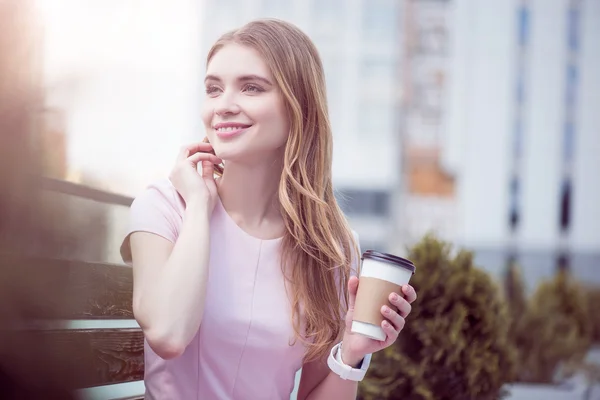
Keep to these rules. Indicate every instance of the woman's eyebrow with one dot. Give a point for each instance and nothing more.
(247, 78)
(244, 78)
(212, 78)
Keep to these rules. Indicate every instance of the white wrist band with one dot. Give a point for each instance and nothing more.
(346, 372)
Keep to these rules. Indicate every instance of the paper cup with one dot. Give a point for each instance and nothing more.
(381, 274)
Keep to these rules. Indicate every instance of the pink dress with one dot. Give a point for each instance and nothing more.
(243, 349)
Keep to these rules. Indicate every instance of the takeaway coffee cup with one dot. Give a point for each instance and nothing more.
(381, 274)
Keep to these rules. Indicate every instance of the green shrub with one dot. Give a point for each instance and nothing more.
(593, 295)
(514, 291)
(517, 304)
(555, 330)
(455, 343)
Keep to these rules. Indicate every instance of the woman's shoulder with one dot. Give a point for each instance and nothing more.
(162, 186)
(157, 209)
(160, 195)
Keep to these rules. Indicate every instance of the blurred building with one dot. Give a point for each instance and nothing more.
(360, 45)
(472, 119)
(429, 200)
(522, 134)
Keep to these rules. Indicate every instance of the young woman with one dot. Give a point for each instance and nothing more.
(242, 280)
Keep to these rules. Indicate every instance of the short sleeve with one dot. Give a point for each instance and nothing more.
(158, 210)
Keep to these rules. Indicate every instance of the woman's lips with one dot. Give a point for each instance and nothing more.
(231, 131)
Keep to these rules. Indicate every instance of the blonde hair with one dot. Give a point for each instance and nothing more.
(318, 245)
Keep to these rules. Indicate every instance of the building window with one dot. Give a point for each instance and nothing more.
(563, 262)
(514, 204)
(523, 25)
(357, 202)
(520, 89)
(380, 19)
(571, 85)
(518, 139)
(565, 206)
(570, 91)
(433, 38)
(428, 99)
(573, 26)
(569, 138)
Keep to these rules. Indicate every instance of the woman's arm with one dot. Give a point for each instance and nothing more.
(319, 382)
(170, 278)
(170, 282)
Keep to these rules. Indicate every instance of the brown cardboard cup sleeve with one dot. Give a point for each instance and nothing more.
(372, 294)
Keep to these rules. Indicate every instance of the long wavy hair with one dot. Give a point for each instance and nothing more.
(318, 247)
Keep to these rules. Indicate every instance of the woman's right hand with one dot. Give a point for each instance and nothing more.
(190, 184)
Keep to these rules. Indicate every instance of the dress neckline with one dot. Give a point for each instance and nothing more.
(232, 222)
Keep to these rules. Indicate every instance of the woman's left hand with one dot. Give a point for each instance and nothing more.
(355, 346)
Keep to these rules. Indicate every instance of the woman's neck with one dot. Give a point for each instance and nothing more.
(249, 193)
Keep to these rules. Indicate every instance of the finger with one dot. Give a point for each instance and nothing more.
(390, 331)
(198, 146)
(192, 148)
(208, 170)
(409, 293)
(212, 149)
(197, 157)
(401, 303)
(393, 317)
(352, 289)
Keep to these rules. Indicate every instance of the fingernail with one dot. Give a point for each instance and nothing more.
(386, 324)
(386, 309)
(394, 297)
(405, 288)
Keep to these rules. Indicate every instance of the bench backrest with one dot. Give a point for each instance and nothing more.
(54, 321)
(49, 345)
(70, 322)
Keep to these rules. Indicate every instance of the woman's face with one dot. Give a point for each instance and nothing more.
(244, 112)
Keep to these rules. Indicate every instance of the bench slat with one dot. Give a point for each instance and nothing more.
(86, 290)
(91, 357)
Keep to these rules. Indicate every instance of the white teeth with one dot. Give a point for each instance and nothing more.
(229, 129)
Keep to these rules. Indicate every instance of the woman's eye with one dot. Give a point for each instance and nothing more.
(253, 88)
(212, 89)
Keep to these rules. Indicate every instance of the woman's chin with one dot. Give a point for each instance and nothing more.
(227, 154)
(246, 153)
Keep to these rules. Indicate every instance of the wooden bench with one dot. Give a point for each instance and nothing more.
(49, 347)
(70, 323)
(83, 358)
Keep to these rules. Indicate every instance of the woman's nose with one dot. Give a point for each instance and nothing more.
(227, 104)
